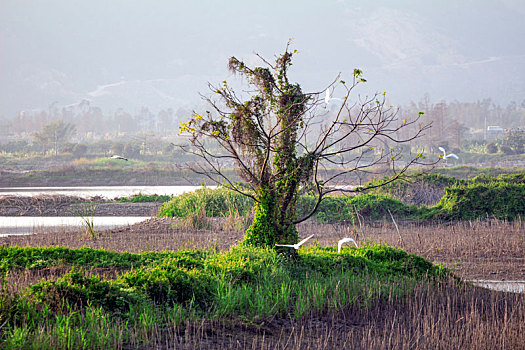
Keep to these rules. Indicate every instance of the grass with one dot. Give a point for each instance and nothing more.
(375, 297)
(144, 198)
(501, 197)
(242, 285)
(215, 202)
(86, 213)
(56, 292)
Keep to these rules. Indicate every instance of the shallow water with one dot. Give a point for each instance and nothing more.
(108, 192)
(24, 225)
(502, 286)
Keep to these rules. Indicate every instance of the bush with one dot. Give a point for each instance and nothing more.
(507, 150)
(331, 209)
(417, 188)
(79, 150)
(117, 148)
(492, 148)
(497, 199)
(166, 283)
(216, 203)
(131, 150)
(377, 207)
(144, 198)
(74, 290)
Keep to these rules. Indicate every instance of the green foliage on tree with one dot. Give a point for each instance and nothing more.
(514, 141)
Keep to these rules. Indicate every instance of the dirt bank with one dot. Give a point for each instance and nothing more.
(53, 205)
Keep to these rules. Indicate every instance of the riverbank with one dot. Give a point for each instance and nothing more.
(103, 176)
(53, 205)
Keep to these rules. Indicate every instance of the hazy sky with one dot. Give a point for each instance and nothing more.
(161, 54)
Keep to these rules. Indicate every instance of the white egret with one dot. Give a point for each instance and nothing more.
(445, 155)
(118, 157)
(328, 97)
(343, 241)
(295, 246)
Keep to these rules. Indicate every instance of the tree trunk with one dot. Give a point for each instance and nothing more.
(266, 230)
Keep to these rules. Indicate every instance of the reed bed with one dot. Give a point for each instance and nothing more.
(427, 316)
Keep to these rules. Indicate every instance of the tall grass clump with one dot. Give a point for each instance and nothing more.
(86, 214)
(215, 203)
(417, 188)
(433, 197)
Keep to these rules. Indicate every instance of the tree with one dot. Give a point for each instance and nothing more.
(515, 140)
(55, 133)
(79, 149)
(492, 148)
(285, 142)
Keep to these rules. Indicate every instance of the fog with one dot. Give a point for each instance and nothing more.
(161, 54)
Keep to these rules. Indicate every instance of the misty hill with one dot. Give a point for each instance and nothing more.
(162, 54)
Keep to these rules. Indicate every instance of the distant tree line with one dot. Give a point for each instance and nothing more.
(91, 120)
(462, 126)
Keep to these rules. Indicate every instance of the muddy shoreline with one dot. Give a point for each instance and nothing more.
(53, 205)
(78, 176)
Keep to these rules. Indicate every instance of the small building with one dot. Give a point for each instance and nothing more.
(493, 132)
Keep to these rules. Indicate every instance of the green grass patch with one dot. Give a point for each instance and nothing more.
(244, 284)
(39, 257)
(144, 198)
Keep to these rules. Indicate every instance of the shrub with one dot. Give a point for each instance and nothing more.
(497, 199)
(331, 209)
(166, 283)
(417, 188)
(144, 198)
(74, 290)
(79, 149)
(492, 148)
(507, 150)
(216, 203)
(131, 150)
(376, 206)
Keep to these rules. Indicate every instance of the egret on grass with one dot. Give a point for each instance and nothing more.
(118, 157)
(343, 241)
(295, 246)
(447, 156)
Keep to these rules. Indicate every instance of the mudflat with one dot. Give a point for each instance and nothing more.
(53, 205)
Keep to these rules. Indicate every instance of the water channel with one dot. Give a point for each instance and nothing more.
(501, 286)
(24, 225)
(108, 192)
(20, 225)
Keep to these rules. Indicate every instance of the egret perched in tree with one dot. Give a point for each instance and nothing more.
(295, 246)
(118, 157)
(343, 241)
(447, 156)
